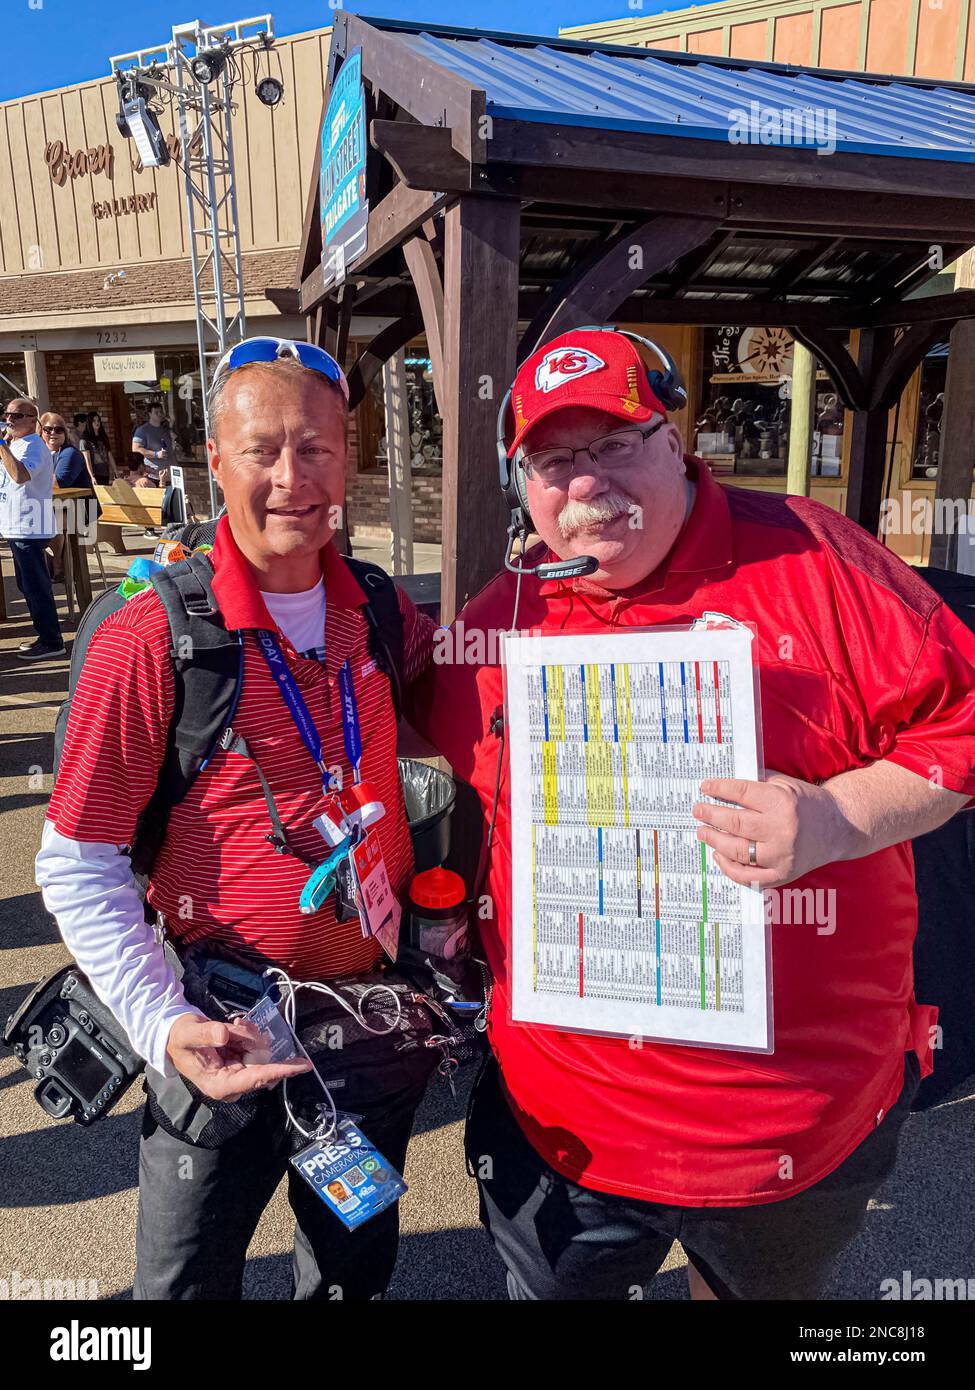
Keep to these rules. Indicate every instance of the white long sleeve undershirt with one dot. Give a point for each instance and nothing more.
(91, 892)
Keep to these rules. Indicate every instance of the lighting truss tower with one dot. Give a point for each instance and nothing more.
(204, 111)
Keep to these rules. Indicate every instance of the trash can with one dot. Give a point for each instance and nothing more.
(429, 795)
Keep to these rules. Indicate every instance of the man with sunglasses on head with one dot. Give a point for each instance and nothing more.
(595, 1153)
(313, 711)
(28, 523)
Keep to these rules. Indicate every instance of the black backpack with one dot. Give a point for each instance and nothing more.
(208, 681)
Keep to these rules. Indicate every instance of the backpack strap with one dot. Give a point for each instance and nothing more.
(382, 610)
(208, 671)
(385, 621)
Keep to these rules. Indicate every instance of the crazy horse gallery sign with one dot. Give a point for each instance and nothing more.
(63, 164)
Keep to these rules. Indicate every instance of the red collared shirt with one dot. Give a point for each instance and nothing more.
(216, 876)
(859, 660)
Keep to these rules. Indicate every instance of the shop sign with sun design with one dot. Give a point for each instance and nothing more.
(765, 352)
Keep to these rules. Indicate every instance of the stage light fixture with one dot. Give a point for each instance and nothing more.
(143, 128)
(206, 67)
(269, 91)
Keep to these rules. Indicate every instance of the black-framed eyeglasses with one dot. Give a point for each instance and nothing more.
(618, 450)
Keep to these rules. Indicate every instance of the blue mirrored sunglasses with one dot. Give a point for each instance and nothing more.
(271, 349)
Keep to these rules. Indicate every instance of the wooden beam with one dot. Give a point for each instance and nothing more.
(745, 313)
(370, 361)
(422, 156)
(338, 317)
(425, 270)
(954, 481)
(593, 292)
(868, 438)
(933, 308)
(397, 217)
(851, 388)
(583, 148)
(480, 327)
(897, 369)
(754, 206)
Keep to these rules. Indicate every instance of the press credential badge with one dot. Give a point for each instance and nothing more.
(349, 1174)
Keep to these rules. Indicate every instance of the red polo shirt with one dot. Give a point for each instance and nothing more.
(216, 876)
(859, 660)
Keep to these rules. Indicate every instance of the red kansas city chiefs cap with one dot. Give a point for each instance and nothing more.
(592, 367)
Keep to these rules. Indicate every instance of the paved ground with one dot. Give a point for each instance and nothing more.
(67, 1200)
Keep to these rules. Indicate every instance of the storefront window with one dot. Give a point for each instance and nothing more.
(13, 376)
(744, 426)
(927, 434)
(426, 427)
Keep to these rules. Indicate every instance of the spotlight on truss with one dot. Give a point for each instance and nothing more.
(269, 91)
(206, 67)
(137, 122)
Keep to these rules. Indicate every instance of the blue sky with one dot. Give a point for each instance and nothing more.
(52, 43)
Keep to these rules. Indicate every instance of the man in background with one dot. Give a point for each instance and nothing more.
(27, 523)
(154, 441)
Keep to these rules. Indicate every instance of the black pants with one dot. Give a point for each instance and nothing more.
(199, 1208)
(562, 1241)
(34, 582)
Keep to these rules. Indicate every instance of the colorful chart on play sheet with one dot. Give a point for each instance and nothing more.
(622, 922)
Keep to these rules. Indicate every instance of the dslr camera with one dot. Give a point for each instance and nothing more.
(73, 1047)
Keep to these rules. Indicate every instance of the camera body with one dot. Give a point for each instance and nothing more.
(73, 1047)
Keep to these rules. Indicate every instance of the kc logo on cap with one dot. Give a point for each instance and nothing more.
(564, 364)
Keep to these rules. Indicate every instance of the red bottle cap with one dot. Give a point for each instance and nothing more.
(438, 888)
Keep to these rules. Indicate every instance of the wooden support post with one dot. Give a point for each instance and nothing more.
(480, 335)
(868, 439)
(953, 487)
(802, 412)
(35, 364)
(398, 462)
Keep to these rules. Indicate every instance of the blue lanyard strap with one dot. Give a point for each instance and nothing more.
(350, 718)
(270, 649)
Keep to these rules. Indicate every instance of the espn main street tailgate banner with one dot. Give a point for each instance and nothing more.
(342, 182)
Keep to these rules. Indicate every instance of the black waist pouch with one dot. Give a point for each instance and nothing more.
(379, 1044)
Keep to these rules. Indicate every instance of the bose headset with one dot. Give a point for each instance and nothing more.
(669, 389)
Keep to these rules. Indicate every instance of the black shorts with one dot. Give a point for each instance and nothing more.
(562, 1241)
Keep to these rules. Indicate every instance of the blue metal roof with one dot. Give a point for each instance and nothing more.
(674, 94)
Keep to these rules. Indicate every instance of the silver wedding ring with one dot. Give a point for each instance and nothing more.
(752, 854)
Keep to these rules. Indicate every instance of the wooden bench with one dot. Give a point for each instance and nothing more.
(125, 505)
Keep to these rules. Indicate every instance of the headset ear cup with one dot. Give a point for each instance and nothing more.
(668, 388)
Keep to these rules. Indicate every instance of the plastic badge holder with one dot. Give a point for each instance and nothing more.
(274, 1028)
(349, 1174)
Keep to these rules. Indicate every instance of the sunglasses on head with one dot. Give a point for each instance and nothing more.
(273, 349)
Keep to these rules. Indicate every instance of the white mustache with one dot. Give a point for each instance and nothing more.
(576, 515)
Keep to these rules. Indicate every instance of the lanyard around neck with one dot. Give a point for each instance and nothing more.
(270, 649)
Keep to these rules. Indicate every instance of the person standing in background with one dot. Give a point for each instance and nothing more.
(27, 523)
(72, 468)
(101, 463)
(79, 423)
(154, 441)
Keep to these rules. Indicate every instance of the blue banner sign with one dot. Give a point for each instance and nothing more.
(342, 181)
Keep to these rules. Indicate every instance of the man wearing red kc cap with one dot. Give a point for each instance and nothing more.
(594, 1154)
